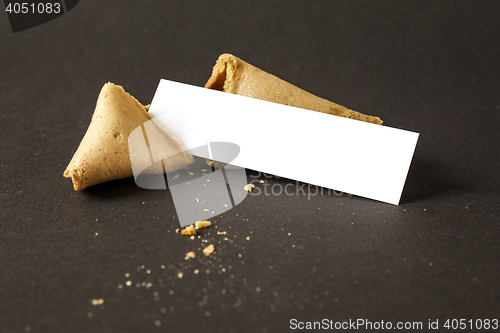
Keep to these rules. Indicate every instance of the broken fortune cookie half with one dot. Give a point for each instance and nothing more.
(233, 75)
(103, 154)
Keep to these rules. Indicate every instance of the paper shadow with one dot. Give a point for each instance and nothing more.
(427, 179)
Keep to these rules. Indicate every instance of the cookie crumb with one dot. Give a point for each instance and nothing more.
(249, 187)
(202, 224)
(96, 302)
(180, 275)
(209, 250)
(189, 230)
(190, 255)
(221, 232)
(176, 176)
(262, 181)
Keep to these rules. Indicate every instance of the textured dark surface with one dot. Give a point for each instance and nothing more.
(426, 66)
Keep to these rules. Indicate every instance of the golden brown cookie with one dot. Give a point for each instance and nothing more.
(233, 75)
(103, 154)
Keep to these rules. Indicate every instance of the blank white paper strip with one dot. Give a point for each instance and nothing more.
(346, 155)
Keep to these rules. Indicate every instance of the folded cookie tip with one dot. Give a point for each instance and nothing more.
(77, 184)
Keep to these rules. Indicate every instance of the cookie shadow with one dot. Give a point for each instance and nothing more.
(114, 189)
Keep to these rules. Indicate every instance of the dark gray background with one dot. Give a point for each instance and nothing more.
(426, 66)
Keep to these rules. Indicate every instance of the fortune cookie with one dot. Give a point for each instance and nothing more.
(233, 75)
(103, 154)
